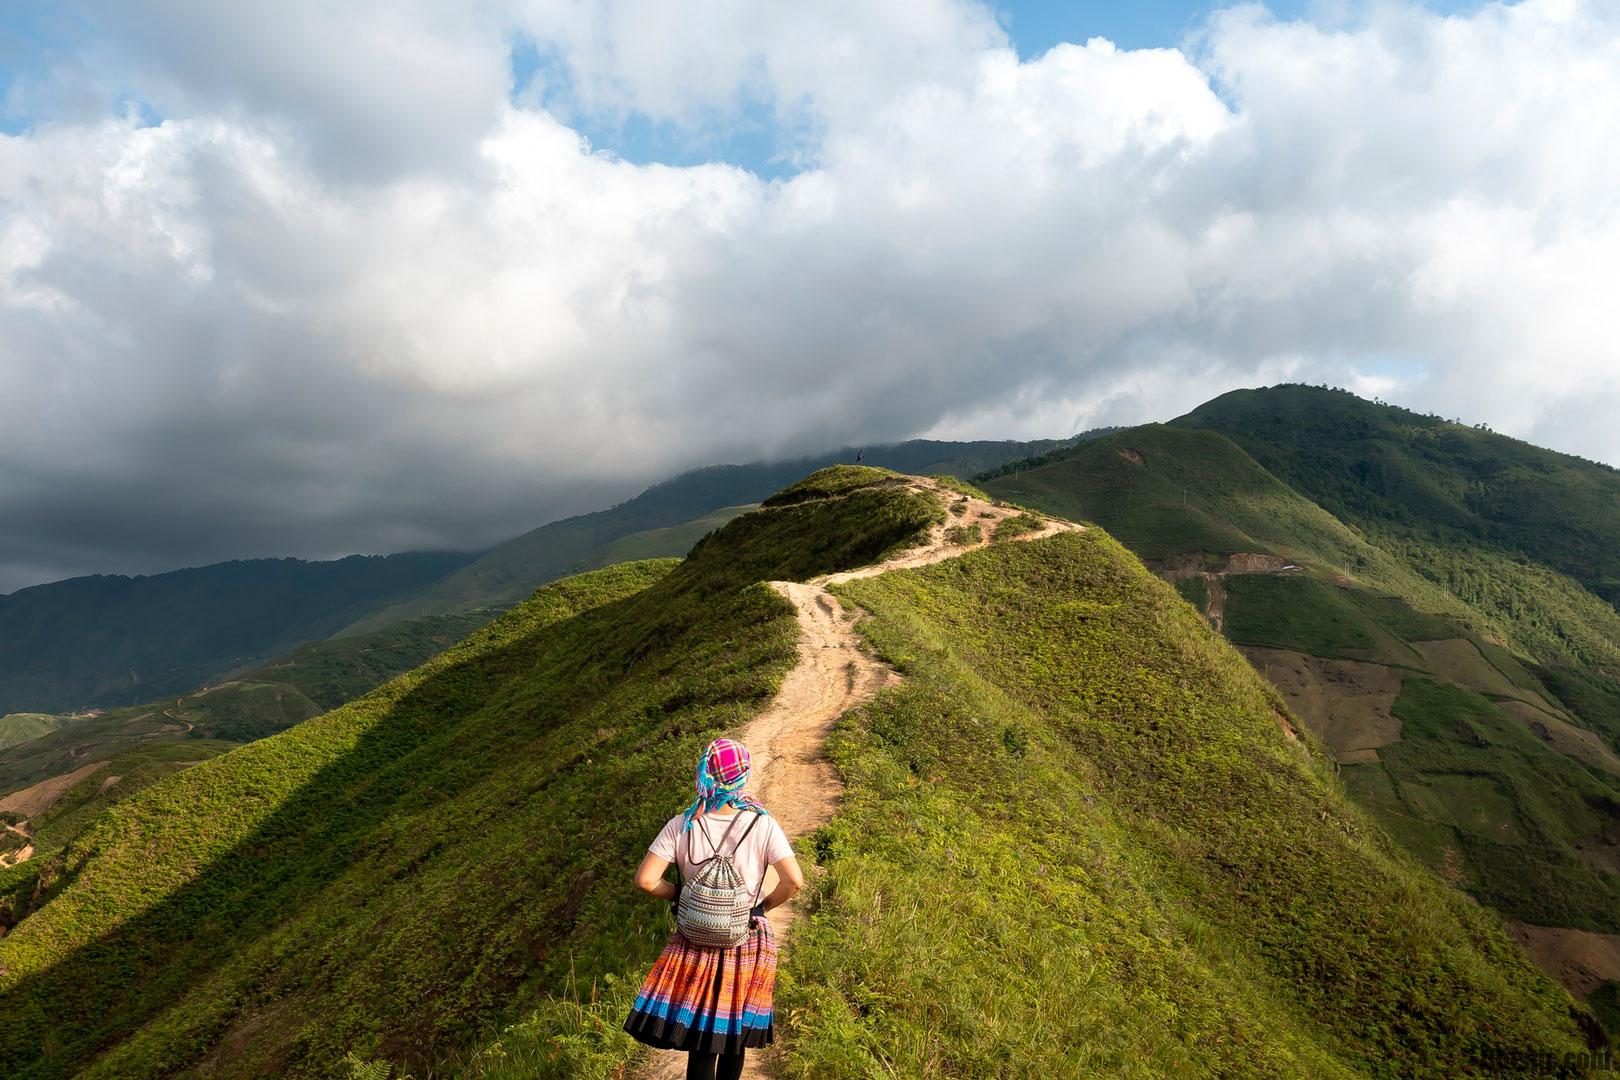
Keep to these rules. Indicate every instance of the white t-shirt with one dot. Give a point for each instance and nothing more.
(765, 844)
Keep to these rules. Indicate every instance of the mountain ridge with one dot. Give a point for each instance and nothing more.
(1460, 688)
(1133, 841)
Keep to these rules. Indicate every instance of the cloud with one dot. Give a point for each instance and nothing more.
(348, 295)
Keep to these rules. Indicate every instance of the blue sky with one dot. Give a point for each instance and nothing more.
(753, 141)
(1037, 25)
(34, 35)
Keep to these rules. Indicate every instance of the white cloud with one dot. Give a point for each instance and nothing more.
(347, 297)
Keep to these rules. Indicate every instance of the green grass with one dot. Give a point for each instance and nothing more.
(1377, 463)
(1173, 493)
(1195, 590)
(962, 487)
(1021, 524)
(1291, 611)
(675, 540)
(1592, 695)
(963, 535)
(18, 728)
(398, 876)
(1165, 491)
(1605, 1005)
(124, 774)
(1397, 615)
(1424, 520)
(824, 483)
(1074, 842)
(1469, 778)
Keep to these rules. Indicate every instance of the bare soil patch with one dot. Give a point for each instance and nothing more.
(1347, 703)
(1580, 959)
(34, 801)
(1249, 562)
(1216, 584)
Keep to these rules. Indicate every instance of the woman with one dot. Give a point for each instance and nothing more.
(715, 1003)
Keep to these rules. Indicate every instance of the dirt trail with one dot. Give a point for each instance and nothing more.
(22, 854)
(792, 775)
(31, 802)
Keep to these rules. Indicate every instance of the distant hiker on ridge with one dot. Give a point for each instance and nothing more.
(858, 455)
(710, 991)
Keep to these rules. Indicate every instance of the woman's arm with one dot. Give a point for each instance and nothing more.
(650, 877)
(789, 880)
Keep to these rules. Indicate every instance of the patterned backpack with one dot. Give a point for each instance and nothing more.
(715, 909)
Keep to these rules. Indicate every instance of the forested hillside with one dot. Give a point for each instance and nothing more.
(111, 640)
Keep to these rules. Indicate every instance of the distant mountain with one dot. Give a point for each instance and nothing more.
(61, 771)
(1145, 871)
(1435, 638)
(114, 640)
(665, 520)
(1382, 466)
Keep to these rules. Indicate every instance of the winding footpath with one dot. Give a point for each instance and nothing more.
(833, 675)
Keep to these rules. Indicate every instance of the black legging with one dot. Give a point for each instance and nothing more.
(714, 1066)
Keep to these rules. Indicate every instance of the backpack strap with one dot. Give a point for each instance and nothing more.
(761, 889)
(716, 847)
(744, 836)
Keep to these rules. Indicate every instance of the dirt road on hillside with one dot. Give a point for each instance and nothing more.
(792, 775)
(22, 854)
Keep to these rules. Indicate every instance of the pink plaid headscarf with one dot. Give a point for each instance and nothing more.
(722, 771)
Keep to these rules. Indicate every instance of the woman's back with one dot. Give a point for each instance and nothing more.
(758, 840)
(715, 1000)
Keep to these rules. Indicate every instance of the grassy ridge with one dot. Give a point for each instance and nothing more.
(1075, 842)
(213, 882)
(1163, 491)
(825, 483)
(1173, 493)
(388, 877)
(1457, 495)
(1367, 461)
(1422, 566)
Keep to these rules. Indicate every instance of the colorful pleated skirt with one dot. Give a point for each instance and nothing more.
(715, 1001)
